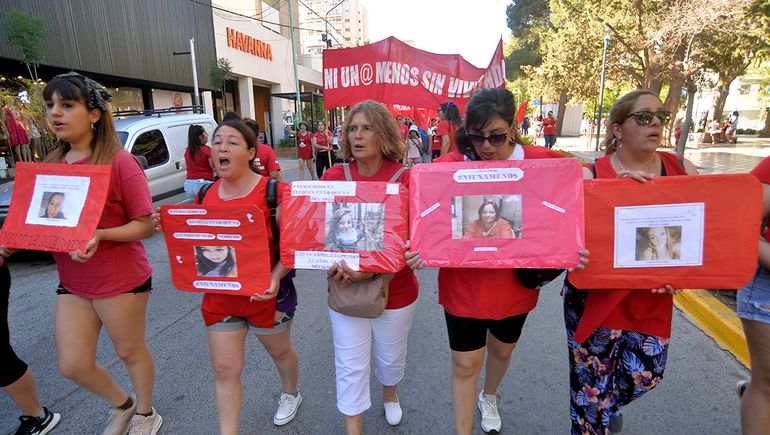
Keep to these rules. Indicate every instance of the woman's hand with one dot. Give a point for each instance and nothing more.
(413, 259)
(270, 293)
(156, 224)
(667, 289)
(342, 273)
(91, 248)
(639, 176)
(6, 251)
(584, 254)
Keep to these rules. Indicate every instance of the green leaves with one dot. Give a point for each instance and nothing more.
(26, 34)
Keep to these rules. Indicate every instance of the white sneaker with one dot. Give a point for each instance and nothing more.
(287, 408)
(393, 412)
(149, 425)
(490, 419)
(117, 423)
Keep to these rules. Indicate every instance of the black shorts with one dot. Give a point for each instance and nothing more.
(143, 288)
(467, 334)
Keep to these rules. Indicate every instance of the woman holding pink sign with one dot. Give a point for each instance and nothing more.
(370, 136)
(483, 321)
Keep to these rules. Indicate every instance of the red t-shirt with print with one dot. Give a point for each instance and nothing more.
(216, 307)
(549, 126)
(402, 290)
(116, 267)
(266, 160)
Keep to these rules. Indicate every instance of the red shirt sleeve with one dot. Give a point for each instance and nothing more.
(443, 128)
(762, 171)
(271, 161)
(134, 191)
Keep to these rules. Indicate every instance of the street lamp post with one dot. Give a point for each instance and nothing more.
(196, 94)
(601, 90)
(328, 40)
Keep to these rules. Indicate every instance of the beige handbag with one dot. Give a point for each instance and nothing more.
(366, 298)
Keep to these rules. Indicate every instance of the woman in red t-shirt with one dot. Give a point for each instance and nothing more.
(197, 157)
(305, 151)
(322, 144)
(229, 318)
(485, 309)
(109, 284)
(447, 126)
(618, 339)
(371, 138)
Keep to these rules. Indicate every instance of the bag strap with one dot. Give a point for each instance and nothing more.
(397, 175)
(272, 205)
(346, 170)
(202, 192)
(593, 169)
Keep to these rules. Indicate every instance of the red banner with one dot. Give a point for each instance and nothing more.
(522, 112)
(687, 232)
(421, 117)
(392, 72)
(55, 207)
(490, 214)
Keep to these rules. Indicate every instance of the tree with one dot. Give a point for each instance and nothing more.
(219, 70)
(26, 34)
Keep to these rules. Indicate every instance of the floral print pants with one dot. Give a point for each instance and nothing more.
(609, 370)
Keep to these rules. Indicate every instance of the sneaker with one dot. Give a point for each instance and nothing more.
(490, 419)
(38, 425)
(117, 423)
(393, 412)
(616, 423)
(741, 387)
(287, 408)
(145, 425)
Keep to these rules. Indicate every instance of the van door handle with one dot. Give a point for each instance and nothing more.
(177, 165)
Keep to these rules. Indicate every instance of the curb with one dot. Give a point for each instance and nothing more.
(716, 320)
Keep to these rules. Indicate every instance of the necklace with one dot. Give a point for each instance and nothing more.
(620, 165)
(237, 195)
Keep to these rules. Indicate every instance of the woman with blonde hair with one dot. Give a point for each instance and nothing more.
(371, 138)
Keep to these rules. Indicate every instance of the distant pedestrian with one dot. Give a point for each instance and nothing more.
(448, 125)
(525, 125)
(322, 144)
(679, 122)
(305, 151)
(732, 126)
(618, 339)
(197, 158)
(549, 130)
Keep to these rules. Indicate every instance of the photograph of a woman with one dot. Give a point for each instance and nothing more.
(343, 232)
(216, 261)
(489, 224)
(354, 227)
(658, 243)
(52, 205)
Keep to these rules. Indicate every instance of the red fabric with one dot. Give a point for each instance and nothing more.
(436, 141)
(486, 293)
(420, 116)
(117, 267)
(404, 131)
(198, 167)
(446, 129)
(15, 129)
(216, 307)
(322, 138)
(762, 172)
(266, 160)
(549, 126)
(640, 311)
(305, 148)
(392, 72)
(403, 287)
(522, 112)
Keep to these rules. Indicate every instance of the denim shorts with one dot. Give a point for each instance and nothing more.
(754, 299)
(191, 187)
(236, 323)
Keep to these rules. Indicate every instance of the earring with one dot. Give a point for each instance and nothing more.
(92, 126)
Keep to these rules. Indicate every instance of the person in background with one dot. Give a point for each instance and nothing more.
(754, 311)
(414, 147)
(305, 152)
(427, 141)
(322, 144)
(549, 130)
(197, 158)
(681, 115)
(266, 163)
(402, 128)
(618, 339)
(732, 126)
(525, 125)
(448, 125)
(16, 377)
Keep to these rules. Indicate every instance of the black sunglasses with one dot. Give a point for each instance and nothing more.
(644, 117)
(495, 140)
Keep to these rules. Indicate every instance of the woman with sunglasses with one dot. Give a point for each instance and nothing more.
(485, 309)
(618, 339)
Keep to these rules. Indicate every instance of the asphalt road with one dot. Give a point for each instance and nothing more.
(696, 396)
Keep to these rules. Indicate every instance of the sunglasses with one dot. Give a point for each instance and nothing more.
(644, 117)
(495, 140)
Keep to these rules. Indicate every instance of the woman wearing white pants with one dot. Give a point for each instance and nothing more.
(370, 137)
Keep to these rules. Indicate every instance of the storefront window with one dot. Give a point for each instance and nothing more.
(126, 99)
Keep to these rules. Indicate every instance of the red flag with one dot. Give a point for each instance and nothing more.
(521, 112)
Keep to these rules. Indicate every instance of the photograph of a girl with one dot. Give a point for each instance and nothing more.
(487, 217)
(658, 243)
(354, 227)
(216, 261)
(52, 205)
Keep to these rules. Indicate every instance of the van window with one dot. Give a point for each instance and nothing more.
(152, 146)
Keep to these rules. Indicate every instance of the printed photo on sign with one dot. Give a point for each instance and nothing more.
(659, 236)
(57, 200)
(216, 261)
(354, 227)
(486, 217)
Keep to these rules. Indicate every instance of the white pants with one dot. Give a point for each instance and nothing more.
(354, 340)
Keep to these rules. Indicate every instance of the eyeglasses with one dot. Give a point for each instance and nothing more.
(495, 140)
(644, 117)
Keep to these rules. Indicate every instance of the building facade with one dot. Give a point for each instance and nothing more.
(345, 24)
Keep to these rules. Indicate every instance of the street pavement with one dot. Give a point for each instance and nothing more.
(695, 397)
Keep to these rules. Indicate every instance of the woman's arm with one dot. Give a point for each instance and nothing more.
(279, 271)
(445, 144)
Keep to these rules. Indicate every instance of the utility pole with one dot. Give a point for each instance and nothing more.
(297, 103)
(196, 92)
(601, 92)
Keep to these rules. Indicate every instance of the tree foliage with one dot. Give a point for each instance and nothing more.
(26, 34)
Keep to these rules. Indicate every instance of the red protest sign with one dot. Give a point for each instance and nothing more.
(55, 207)
(217, 248)
(489, 214)
(363, 223)
(393, 72)
(687, 232)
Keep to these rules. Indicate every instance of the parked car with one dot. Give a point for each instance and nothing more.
(159, 142)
